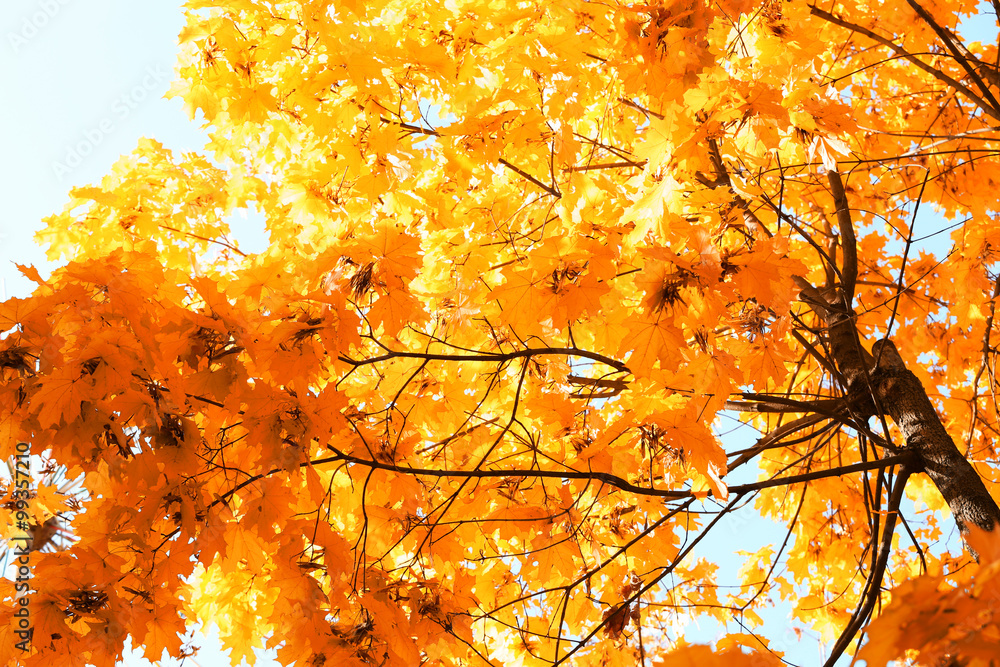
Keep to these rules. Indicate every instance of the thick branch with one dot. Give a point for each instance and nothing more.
(898, 392)
(849, 272)
(831, 407)
(852, 360)
(904, 398)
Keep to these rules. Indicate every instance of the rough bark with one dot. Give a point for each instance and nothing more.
(879, 383)
(903, 397)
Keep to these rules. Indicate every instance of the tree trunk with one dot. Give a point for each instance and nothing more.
(879, 383)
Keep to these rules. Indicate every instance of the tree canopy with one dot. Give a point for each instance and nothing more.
(526, 260)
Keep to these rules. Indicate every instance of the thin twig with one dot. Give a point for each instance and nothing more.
(936, 73)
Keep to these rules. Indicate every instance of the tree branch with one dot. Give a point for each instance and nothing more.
(906, 401)
(495, 357)
(606, 478)
(962, 54)
(903, 53)
(523, 174)
(873, 586)
(849, 272)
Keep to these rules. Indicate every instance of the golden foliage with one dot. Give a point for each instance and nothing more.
(460, 410)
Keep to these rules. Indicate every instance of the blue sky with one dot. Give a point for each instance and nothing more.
(84, 80)
(80, 77)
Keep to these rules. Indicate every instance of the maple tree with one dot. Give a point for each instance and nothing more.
(523, 257)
